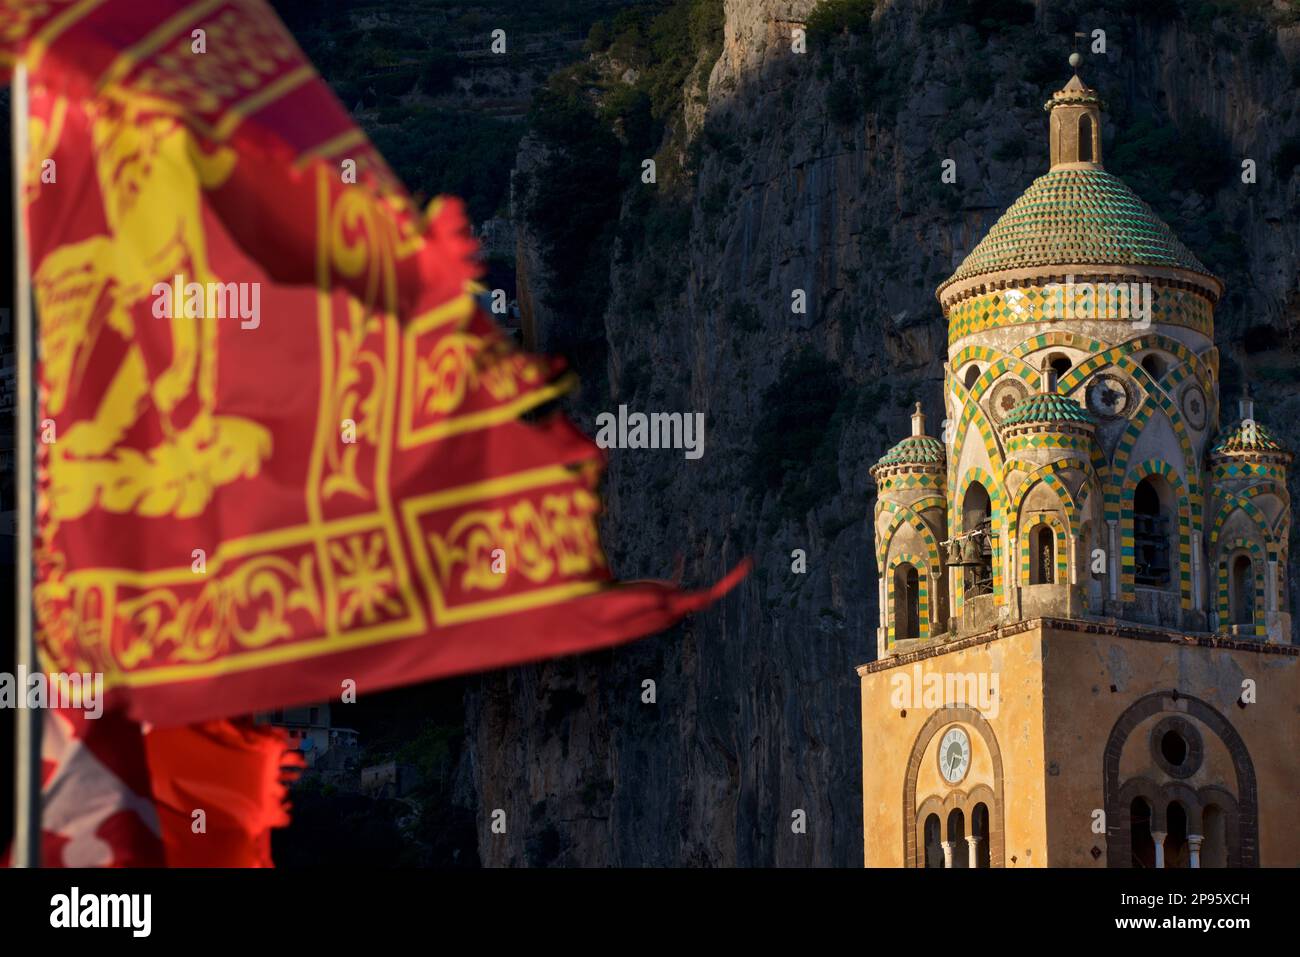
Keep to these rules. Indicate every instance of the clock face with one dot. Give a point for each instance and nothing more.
(954, 755)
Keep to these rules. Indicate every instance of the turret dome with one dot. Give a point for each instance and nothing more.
(918, 450)
(1047, 408)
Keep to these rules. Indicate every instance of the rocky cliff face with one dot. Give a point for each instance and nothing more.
(821, 172)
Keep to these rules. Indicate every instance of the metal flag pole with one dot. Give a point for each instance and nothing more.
(27, 750)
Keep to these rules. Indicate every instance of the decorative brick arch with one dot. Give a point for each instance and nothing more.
(1231, 502)
(923, 624)
(942, 807)
(903, 515)
(1118, 848)
(1061, 571)
(997, 517)
(1258, 571)
(1049, 339)
(1127, 576)
(1156, 398)
(974, 354)
(1047, 474)
(933, 725)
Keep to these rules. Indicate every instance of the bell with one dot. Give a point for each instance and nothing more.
(954, 552)
(970, 552)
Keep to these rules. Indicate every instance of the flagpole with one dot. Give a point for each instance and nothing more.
(27, 750)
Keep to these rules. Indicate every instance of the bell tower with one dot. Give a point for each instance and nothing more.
(1076, 581)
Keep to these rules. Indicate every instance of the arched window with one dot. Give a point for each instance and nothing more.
(1155, 365)
(976, 511)
(979, 829)
(906, 602)
(1214, 852)
(1085, 138)
(1042, 555)
(1144, 848)
(1060, 364)
(1176, 840)
(1151, 533)
(956, 838)
(1242, 593)
(932, 842)
(972, 376)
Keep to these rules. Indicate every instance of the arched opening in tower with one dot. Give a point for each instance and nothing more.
(933, 843)
(976, 522)
(1243, 590)
(1144, 848)
(1214, 852)
(957, 839)
(1155, 366)
(1151, 532)
(1060, 364)
(979, 828)
(1085, 138)
(1176, 839)
(906, 602)
(1042, 555)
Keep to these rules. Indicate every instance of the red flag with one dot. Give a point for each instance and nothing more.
(220, 787)
(282, 449)
(286, 455)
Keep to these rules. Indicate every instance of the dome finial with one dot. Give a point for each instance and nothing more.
(918, 421)
(1047, 377)
(1076, 121)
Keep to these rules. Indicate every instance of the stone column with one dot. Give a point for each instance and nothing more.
(932, 619)
(882, 633)
(1011, 577)
(973, 851)
(1270, 584)
(1159, 838)
(1194, 849)
(947, 853)
(1112, 560)
(953, 618)
(1197, 602)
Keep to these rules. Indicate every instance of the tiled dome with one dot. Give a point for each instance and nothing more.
(1237, 439)
(915, 450)
(1046, 407)
(1077, 217)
